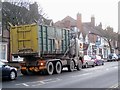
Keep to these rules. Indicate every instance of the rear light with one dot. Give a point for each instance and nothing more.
(42, 62)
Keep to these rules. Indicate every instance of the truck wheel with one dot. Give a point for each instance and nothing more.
(71, 66)
(58, 67)
(79, 66)
(50, 68)
(24, 72)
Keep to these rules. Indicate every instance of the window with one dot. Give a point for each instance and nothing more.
(3, 52)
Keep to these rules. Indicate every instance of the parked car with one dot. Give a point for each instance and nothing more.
(112, 57)
(118, 56)
(7, 72)
(98, 60)
(87, 61)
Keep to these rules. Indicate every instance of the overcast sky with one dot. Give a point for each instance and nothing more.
(105, 11)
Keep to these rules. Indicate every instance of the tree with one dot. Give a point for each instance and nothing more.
(21, 12)
(18, 13)
(110, 37)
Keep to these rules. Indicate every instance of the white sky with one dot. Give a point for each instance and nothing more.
(105, 11)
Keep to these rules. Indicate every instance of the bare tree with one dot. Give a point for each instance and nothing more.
(21, 12)
(18, 12)
(110, 37)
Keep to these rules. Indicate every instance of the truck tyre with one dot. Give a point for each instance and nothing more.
(50, 68)
(71, 66)
(58, 67)
(79, 65)
(24, 72)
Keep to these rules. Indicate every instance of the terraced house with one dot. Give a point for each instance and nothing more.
(95, 39)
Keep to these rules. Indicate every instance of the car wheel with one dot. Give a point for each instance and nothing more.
(93, 64)
(102, 63)
(96, 64)
(86, 65)
(13, 75)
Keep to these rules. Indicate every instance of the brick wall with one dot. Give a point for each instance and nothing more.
(79, 22)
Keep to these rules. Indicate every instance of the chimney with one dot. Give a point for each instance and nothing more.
(100, 25)
(93, 21)
(79, 22)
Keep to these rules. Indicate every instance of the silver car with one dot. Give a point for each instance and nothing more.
(88, 61)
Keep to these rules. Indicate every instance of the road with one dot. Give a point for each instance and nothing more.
(105, 76)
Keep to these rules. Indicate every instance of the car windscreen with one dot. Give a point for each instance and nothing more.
(98, 57)
(93, 57)
(87, 57)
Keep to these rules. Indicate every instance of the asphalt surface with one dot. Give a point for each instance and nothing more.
(105, 76)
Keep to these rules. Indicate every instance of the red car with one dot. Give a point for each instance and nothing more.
(98, 60)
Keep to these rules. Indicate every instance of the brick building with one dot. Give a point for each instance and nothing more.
(94, 37)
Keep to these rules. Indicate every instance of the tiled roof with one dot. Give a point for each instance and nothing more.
(73, 21)
(62, 22)
(87, 28)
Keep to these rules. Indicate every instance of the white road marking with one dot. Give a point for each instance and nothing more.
(25, 84)
(46, 82)
(41, 83)
(38, 83)
(107, 69)
(34, 82)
